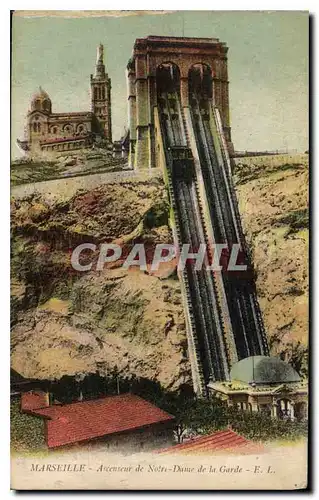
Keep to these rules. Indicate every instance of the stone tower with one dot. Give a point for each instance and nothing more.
(142, 71)
(101, 95)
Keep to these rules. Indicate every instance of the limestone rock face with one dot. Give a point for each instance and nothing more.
(66, 322)
(113, 320)
(74, 323)
(273, 200)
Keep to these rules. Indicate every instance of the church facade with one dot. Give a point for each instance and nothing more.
(48, 132)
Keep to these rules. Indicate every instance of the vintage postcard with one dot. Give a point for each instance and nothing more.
(159, 250)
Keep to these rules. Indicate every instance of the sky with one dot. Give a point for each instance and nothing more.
(267, 65)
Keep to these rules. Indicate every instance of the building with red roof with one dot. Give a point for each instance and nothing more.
(34, 400)
(124, 421)
(225, 440)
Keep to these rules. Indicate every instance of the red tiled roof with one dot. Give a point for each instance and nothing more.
(33, 400)
(218, 441)
(87, 420)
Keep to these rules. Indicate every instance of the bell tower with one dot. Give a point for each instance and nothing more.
(101, 95)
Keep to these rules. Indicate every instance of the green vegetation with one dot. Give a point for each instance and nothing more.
(27, 431)
(157, 215)
(34, 172)
(201, 416)
(195, 416)
(23, 172)
(247, 172)
(204, 416)
(296, 220)
(259, 426)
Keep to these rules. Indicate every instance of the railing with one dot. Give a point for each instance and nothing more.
(224, 322)
(242, 154)
(194, 350)
(248, 328)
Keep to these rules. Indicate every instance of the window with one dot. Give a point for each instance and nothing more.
(36, 127)
(46, 105)
(68, 129)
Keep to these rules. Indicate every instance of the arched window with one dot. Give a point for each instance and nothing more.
(95, 93)
(39, 127)
(167, 78)
(35, 128)
(284, 408)
(103, 93)
(200, 81)
(68, 129)
(46, 105)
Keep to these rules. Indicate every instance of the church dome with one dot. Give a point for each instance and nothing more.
(263, 370)
(41, 102)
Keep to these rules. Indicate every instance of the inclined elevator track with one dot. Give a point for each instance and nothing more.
(209, 340)
(248, 328)
(205, 310)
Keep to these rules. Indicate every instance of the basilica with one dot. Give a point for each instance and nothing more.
(48, 132)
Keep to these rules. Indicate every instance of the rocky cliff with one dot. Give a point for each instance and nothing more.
(66, 322)
(273, 201)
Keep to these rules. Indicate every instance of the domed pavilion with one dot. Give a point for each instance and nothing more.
(264, 384)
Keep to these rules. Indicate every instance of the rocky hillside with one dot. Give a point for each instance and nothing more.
(65, 165)
(66, 322)
(273, 200)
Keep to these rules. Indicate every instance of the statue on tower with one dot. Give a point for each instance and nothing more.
(99, 67)
(99, 55)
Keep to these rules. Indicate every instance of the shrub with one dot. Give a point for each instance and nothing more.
(27, 431)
